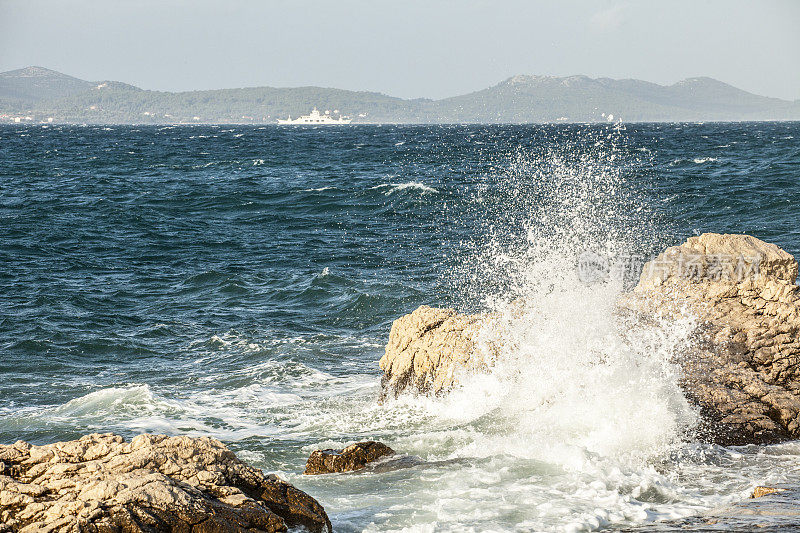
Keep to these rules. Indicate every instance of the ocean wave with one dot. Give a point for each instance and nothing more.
(576, 395)
(318, 189)
(392, 188)
(695, 160)
(109, 401)
(234, 409)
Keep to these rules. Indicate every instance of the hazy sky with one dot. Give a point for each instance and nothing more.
(404, 48)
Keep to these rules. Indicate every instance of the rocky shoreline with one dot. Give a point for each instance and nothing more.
(101, 483)
(741, 370)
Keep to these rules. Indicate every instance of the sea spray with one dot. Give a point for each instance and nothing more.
(577, 384)
(552, 201)
(574, 370)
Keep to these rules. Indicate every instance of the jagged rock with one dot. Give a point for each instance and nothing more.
(743, 371)
(429, 347)
(153, 483)
(353, 457)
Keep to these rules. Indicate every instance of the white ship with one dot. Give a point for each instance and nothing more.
(316, 118)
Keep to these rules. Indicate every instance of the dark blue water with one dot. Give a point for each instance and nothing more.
(241, 281)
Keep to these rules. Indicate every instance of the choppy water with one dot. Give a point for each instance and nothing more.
(240, 282)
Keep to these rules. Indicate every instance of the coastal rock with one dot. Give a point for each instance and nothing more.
(428, 348)
(743, 370)
(152, 483)
(353, 457)
(760, 492)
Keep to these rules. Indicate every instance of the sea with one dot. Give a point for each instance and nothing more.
(240, 282)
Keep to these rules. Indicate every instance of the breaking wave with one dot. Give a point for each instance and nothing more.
(576, 388)
(391, 188)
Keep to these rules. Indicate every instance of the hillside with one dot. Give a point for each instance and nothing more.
(43, 94)
(580, 99)
(29, 85)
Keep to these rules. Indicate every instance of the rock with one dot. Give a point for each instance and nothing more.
(759, 492)
(353, 457)
(429, 347)
(152, 483)
(743, 370)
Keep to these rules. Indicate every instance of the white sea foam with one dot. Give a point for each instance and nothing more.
(392, 188)
(108, 401)
(695, 160)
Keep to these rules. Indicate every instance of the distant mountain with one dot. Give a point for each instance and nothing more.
(34, 84)
(40, 93)
(582, 99)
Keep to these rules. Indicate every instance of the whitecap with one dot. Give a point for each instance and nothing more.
(412, 185)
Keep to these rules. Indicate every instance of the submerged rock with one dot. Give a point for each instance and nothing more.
(743, 370)
(777, 512)
(152, 483)
(353, 457)
(760, 492)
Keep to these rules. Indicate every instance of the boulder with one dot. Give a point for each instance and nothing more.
(152, 483)
(743, 371)
(428, 348)
(353, 457)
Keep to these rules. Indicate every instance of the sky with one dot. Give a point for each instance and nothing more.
(406, 48)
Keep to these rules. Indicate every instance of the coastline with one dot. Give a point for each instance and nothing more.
(24, 496)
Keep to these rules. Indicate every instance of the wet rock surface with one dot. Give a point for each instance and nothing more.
(428, 348)
(760, 492)
(743, 371)
(152, 483)
(353, 457)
